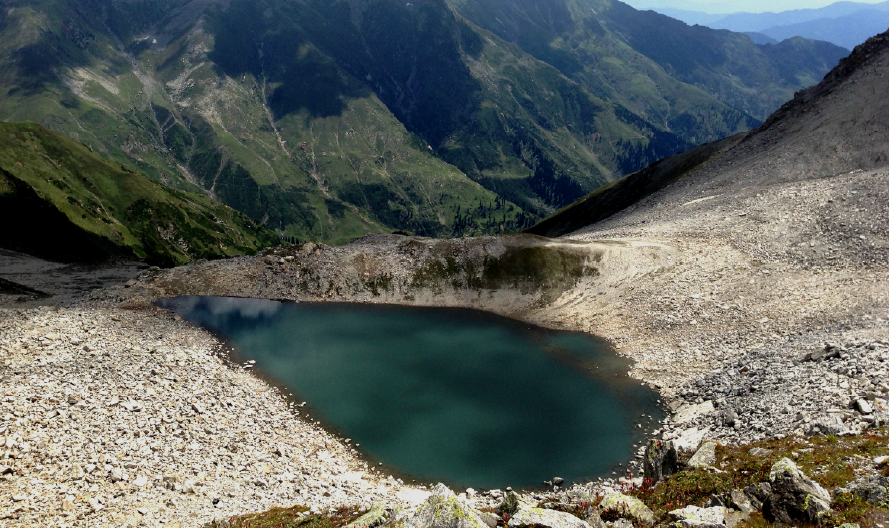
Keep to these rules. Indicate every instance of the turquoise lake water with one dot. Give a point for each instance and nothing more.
(436, 394)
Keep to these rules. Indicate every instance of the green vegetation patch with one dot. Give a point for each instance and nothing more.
(293, 517)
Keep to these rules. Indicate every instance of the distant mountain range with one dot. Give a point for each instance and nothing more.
(327, 120)
(845, 24)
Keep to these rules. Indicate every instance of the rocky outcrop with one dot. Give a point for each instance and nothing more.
(444, 510)
(618, 505)
(661, 460)
(794, 497)
(872, 488)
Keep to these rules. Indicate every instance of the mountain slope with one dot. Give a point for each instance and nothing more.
(593, 41)
(832, 130)
(327, 121)
(60, 201)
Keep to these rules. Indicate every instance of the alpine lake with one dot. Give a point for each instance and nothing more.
(447, 395)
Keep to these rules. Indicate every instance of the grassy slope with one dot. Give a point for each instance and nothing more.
(65, 202)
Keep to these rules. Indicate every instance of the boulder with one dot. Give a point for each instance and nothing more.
(511, 504)
(374, 517)
(881, 412)
(741, 502)
(618, 505)
(759, 452)
(758, 494)
(795, 497)
(733, 519)
(444, 510)
(620, 523)
(545, 518)
(831, 425)
(704, 456)
(661, 460)
(696, 517)
(872, 488)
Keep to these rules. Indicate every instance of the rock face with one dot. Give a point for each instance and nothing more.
(444, 510)
(620, 505)
(545, 518)
(695, 517)
(660, 460)
(795, 497)
(704, 456)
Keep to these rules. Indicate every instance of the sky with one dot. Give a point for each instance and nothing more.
(735, 6)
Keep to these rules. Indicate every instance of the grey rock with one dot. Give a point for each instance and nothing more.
(591, 516)
(491, 519)
(729, 417)
(660, 460)
(618, 504)
(831, 425)
(758, 494)
(704, 456)
(444, 510)
(558, 481)
(872, 488)
(511, 504)
(696, 517)
(741, 502)
(795, 497)
(760, 452)
(881, 412)
(620, 523)
(373, 518)
(863, 406)
(733, 519)
(545, 518)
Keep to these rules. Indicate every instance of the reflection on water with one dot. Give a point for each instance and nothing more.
(460, 396)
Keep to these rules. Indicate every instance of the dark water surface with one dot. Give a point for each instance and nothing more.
(452, 395)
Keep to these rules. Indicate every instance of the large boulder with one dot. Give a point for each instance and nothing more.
(758, 494)
(704, 456)
(545, 518)
(695, 517)
(444, 510)
(795, 498)
(660, 461)
(617, 505)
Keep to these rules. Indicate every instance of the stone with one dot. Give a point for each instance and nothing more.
(729, 417)
(881, 412)
(592, 517)
(545, 518)
(67, 504)
(491, 519)
(189, 487)
(77, 472)
(881, 461)
(741, 502)
(696, 517)
(863, 406)
(872, 488)
(558, 481)
(374, 517)
(758, 494)
(733, 519)
(444, 510)
(689, 440)
(116, 475)
(689, 411)
(511, 503)
(831, 425)
(704, 456)
(849, 525)
(140, 481)
(620, 505)
(795, 497)
(660, 460)
(620, 523)
(759, 452)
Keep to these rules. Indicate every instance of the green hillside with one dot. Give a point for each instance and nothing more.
(61, 201)
(328, 120)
